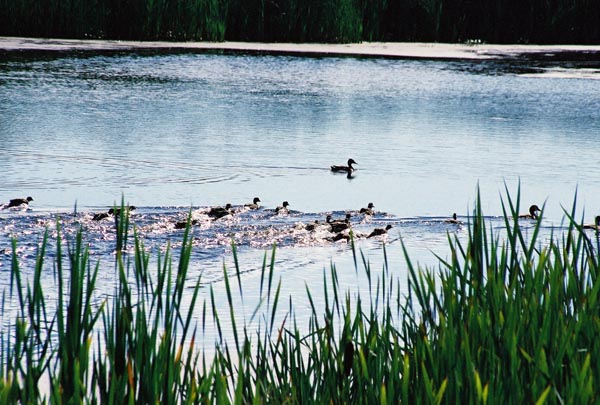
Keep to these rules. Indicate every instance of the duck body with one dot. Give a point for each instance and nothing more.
(453, 220)
(254, 204)
(312, 226)
(533, 210)
(183, 224)
(379, 231)
(17, 202)
(338, 226)
(595, 225)
(368, 210)
(102, 215)
(219, 212)
(344, 169)
(283, 208)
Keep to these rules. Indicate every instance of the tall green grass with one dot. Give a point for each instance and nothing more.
(510, 317)
(339, 21)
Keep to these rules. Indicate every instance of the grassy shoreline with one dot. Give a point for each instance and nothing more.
(508, 318)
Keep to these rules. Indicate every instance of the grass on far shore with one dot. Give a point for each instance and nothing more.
(509, 318)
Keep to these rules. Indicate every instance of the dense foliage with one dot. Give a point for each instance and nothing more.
(494, 21)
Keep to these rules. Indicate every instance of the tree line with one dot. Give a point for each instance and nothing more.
(333, 21)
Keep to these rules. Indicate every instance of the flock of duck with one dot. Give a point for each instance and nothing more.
(338, 228)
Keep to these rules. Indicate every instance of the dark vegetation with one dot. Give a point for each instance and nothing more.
(494, 21)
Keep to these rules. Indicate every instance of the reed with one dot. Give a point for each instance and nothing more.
(503, 21)
(509, 317)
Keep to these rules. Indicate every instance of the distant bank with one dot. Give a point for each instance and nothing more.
(400, 50)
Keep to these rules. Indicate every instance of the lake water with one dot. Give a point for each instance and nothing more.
(174, 132)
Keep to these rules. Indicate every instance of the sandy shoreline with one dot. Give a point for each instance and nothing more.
(372, 49)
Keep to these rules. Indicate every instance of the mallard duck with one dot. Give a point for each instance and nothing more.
(103, 215)
(219, 212)
(311, 227)
(368, 210)
(183, 224)
(595, 225)
(16, 202)
(379, 231)
(283, 209)
(338, 226)
(254, 204)
(532, 213)
(340, 236)
(453, 220)
(344, 169)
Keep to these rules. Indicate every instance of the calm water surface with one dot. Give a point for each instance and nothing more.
(174, 132)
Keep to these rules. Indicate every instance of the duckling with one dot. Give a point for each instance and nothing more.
(532, 213)
(595, 225)
(311, 227)
(254, 204)
(118, 210)
(338, 226)
(368, 210)
(103, 215)
(379, 231)
(453, 220)
(344, 169)
(17, 202)
(339, 236)
(183, 224)
(220, 212)
(283, 209)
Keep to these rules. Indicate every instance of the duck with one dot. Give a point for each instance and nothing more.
(219, 212)
(595, 225)
(368, 210)
(379, 231)
(344, 169)
(17, 202)
(103, 215)
(111, 212)
(453, 220)
(254, 204)
(340, 236)
(312, 226)
(283, 208)
(338, 226)
(118, 210)
(532, 212)
(183, 224)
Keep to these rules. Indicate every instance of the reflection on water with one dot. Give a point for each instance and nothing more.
(173, 131)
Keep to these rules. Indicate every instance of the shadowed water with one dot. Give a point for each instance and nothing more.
(179, 132)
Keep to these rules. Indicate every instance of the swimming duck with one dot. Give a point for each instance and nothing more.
(453, 220)
(532, 213)
(595, 225)
(368, 210)
(379, 231)
(16, 202)
(183, 224)
(103, 215)
(313, 226)
(220, 212)
(254, 204)
(344, 169)
(340, 236)
(118, 210)
(283, 209)
(338, 226)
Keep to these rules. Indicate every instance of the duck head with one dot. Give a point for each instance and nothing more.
(533, 210)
